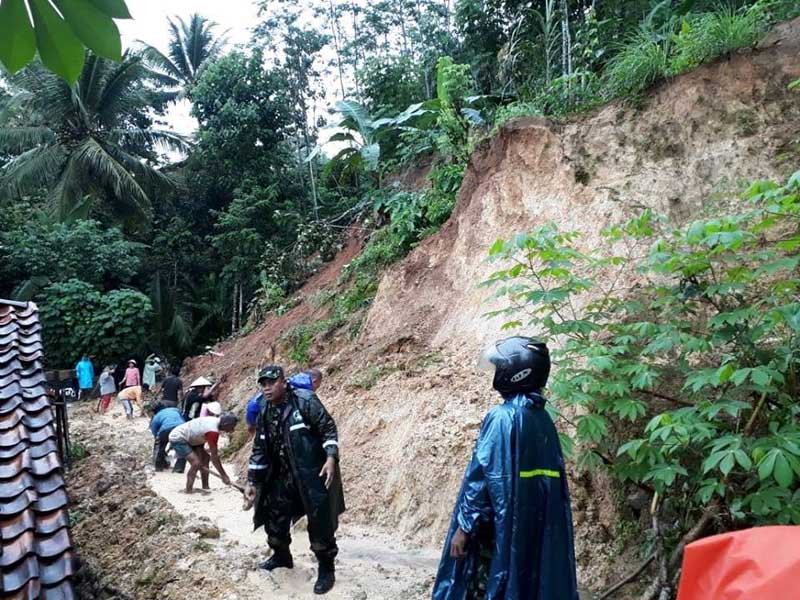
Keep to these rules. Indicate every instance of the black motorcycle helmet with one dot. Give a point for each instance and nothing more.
(520, 364)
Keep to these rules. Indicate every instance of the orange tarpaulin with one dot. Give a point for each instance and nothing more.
(754, 564)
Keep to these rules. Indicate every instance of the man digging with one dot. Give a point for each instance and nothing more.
(294, 471)
(188, 441)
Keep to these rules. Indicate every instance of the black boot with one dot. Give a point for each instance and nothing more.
(279, 560)
(326, 577)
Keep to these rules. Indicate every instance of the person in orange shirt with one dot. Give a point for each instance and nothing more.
(131, 394)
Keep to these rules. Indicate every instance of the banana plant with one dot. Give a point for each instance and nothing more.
(363, 133)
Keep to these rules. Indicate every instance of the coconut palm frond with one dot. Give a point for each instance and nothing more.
(146, 175)
(104, 169)
(161, 65)
(33, 169)
(16, 140)
(162, 139)
(177, 48)
(48, 94)
(67, 198)
(83, 142)
(122, 92)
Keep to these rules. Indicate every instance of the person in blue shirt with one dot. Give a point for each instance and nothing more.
(305, 380)
(163, 422)
(84, 371)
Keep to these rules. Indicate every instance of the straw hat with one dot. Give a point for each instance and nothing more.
(200, 382)
(214, 408)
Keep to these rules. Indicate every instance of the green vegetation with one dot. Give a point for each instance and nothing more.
(219, 231)
(96, 145)
(77, 452)
(684, 383)
(78, 319)
(59, 37)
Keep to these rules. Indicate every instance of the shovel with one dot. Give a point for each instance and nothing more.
(218, 476)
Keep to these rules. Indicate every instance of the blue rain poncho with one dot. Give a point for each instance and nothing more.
(515, 505)
(85, 372)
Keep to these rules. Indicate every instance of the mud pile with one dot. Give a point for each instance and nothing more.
(132, 543)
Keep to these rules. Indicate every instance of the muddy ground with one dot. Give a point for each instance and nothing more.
(140, 537)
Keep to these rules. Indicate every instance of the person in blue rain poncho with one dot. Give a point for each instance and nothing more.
(511, 536)
(84, 371)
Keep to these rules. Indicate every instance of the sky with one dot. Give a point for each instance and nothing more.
(149, 24)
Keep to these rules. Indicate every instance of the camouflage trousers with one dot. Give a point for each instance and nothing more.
(476, 590)
(284, 505)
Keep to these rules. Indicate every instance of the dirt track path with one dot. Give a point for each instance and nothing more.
(371, 565)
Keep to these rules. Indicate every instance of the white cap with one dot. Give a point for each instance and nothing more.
(214, 408)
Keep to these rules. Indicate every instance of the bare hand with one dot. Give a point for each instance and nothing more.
(458, 545)
(249, 496)
(328, 471)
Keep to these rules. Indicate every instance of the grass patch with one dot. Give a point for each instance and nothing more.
(369, 377)
(77, 452)
(299, 339)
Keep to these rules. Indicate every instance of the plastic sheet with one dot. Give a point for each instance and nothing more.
(754, 564)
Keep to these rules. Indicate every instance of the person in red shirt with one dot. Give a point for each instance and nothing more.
(189, 440)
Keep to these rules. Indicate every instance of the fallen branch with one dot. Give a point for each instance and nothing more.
(748, 428)
(633, 576)
(693, 534)
(677, 401)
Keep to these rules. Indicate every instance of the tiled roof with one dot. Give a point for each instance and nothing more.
(36, 559)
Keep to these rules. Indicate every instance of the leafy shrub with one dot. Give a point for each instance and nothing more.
(78, 319)
(84, 249)
(570, 93)
(453, 84)
(514, 110)
(269, 296)
(685, 382)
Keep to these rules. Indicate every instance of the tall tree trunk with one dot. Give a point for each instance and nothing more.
(566, 40)
(424, 47)
(233, 309)
(337, 46)
(356, 48)
(241, 307)
(307, 140)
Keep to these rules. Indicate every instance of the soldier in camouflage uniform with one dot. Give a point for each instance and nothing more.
(294, 471)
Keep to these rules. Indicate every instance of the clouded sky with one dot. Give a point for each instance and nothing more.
(149, 24)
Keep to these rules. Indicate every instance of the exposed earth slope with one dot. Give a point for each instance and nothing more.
(404, 391)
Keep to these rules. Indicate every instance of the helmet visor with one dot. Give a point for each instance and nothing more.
(489, 359)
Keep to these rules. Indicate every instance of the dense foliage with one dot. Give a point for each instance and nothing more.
(678, 353)
(78, 319)
(219, 230)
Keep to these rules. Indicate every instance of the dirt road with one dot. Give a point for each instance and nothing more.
(158, 542)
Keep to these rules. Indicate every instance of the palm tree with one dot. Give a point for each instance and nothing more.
(93, 141)
(191, 46)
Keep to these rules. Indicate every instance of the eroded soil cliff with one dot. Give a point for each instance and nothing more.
(404, 391)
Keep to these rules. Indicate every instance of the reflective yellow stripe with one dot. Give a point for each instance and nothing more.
(536, 472)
